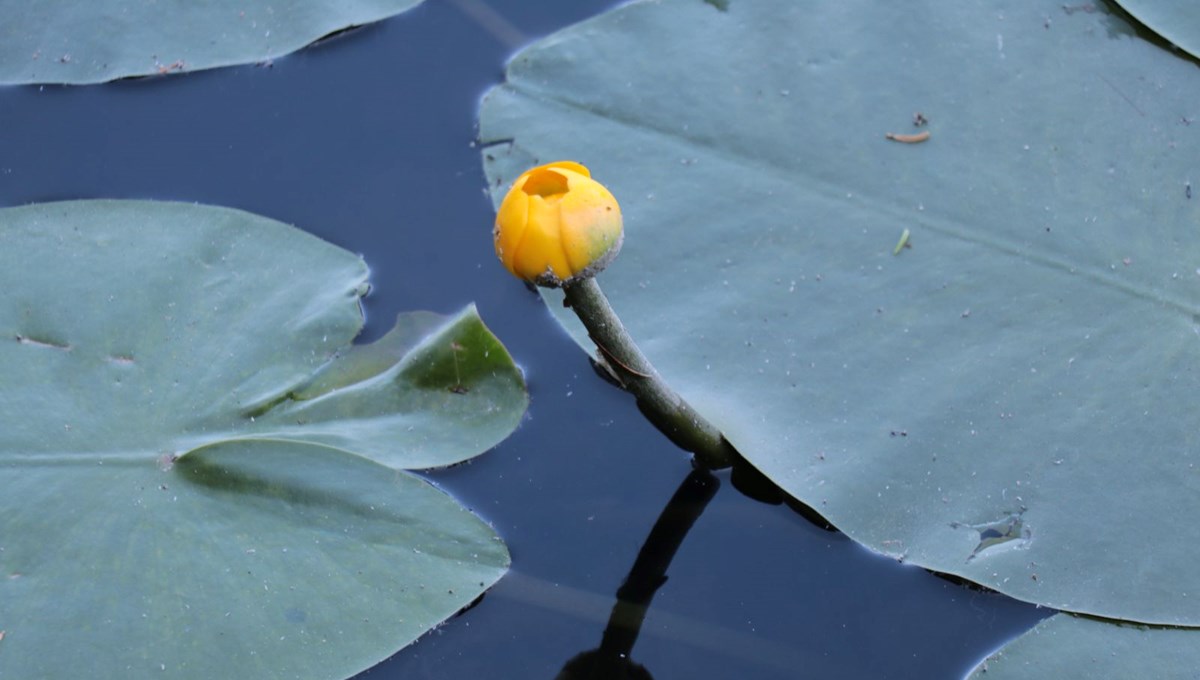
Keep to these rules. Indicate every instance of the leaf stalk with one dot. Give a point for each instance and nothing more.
(620, 355)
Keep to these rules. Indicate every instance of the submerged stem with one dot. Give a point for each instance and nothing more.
(661, 404)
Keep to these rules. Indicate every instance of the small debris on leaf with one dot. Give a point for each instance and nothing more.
(908, 139)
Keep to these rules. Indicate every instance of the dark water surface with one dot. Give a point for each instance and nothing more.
(365, 140)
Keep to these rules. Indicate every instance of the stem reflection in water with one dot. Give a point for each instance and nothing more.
(611, 661)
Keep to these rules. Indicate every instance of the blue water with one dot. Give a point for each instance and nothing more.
(365, 140)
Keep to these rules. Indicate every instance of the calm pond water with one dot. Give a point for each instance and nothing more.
(365, 140)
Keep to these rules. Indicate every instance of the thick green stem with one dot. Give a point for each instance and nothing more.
(661, 404)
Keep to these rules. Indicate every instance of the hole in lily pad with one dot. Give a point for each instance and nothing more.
(1009, 532)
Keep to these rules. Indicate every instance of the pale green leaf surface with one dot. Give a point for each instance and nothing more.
(100, 40)
(201, 473)
(1176, 20)
(1066, 647)
(1015, 394)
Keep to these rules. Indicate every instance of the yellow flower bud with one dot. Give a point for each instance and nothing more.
(557, 225)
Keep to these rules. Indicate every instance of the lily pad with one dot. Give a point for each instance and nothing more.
(200, 471)
(1010, 399)
(100, 40)
(1070, 647)
(1176, 20)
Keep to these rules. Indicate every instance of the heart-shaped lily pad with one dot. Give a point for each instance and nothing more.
(1010, 399)
(200, 472)
(1067, 647)
(99, 40)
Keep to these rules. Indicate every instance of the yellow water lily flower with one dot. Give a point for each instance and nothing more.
(557, 225)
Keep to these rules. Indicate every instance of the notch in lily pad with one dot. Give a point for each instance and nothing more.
(558, 228)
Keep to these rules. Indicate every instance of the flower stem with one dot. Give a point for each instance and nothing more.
(661, 404)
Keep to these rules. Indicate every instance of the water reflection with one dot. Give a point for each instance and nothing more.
(612, 659)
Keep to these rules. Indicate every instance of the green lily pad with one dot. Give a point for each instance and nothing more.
(200, 471)
(1176, 20)
(101, 40)
(1011, 399)
(1068, 647)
